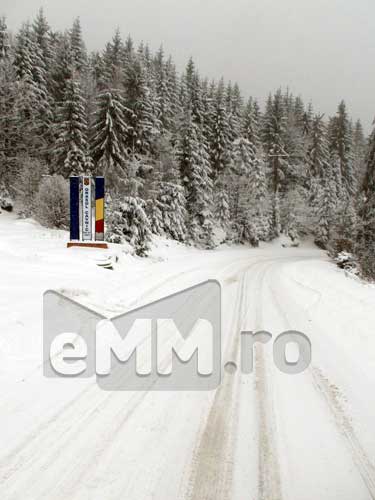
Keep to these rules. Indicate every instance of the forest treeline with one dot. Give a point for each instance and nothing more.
(182, 156)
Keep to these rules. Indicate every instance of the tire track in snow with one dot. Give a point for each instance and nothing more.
(332, 397)
(331, 394)
(269, 480)
(212, 465)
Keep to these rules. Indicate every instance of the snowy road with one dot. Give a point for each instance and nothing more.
(263, 436)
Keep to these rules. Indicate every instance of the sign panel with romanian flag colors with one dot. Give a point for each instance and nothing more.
(99, 208)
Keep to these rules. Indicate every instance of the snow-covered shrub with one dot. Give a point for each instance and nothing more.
(128, 222)
(28, 182)
(347, 261)
(52, 202)
(6, 202)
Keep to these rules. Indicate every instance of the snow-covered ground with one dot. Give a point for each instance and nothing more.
(264, 436)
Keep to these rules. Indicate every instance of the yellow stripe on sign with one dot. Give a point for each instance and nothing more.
(99, 209)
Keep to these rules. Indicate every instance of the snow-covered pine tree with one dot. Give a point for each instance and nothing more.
(109, 131)
(71, 131)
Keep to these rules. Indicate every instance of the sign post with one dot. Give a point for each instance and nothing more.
(81, 221)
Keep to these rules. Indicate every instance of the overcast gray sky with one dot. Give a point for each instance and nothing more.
(322, 49)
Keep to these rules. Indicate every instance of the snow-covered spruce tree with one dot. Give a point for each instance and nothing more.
(195, 172)
(173, 212)
(242, 162)
(78, 48)
(128, 222)
(341, 146)
(143, 107)
(276, 217)
(250, 123)
(11, 140)
(62, 69)
(43, 39)
(77, 163)
(113, 60)
(71, 131)
(250, 211)
(274, 129)
(296, 215)
(295, 145)
(318, 152)
(220, 145)
(155, 215)
(359, 151)
(365, 248)
(166, 203)
(191, 90)
(33, 113)
(4, 39)
(109, 130)
(325, 211)
(235, 111)
(167, 92)
(318, 157)
(222, 205)
(345, 228)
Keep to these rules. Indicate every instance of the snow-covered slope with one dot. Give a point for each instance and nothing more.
(266, 436)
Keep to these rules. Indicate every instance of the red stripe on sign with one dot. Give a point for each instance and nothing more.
(99, 226)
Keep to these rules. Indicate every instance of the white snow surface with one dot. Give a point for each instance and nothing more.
(263, 436)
